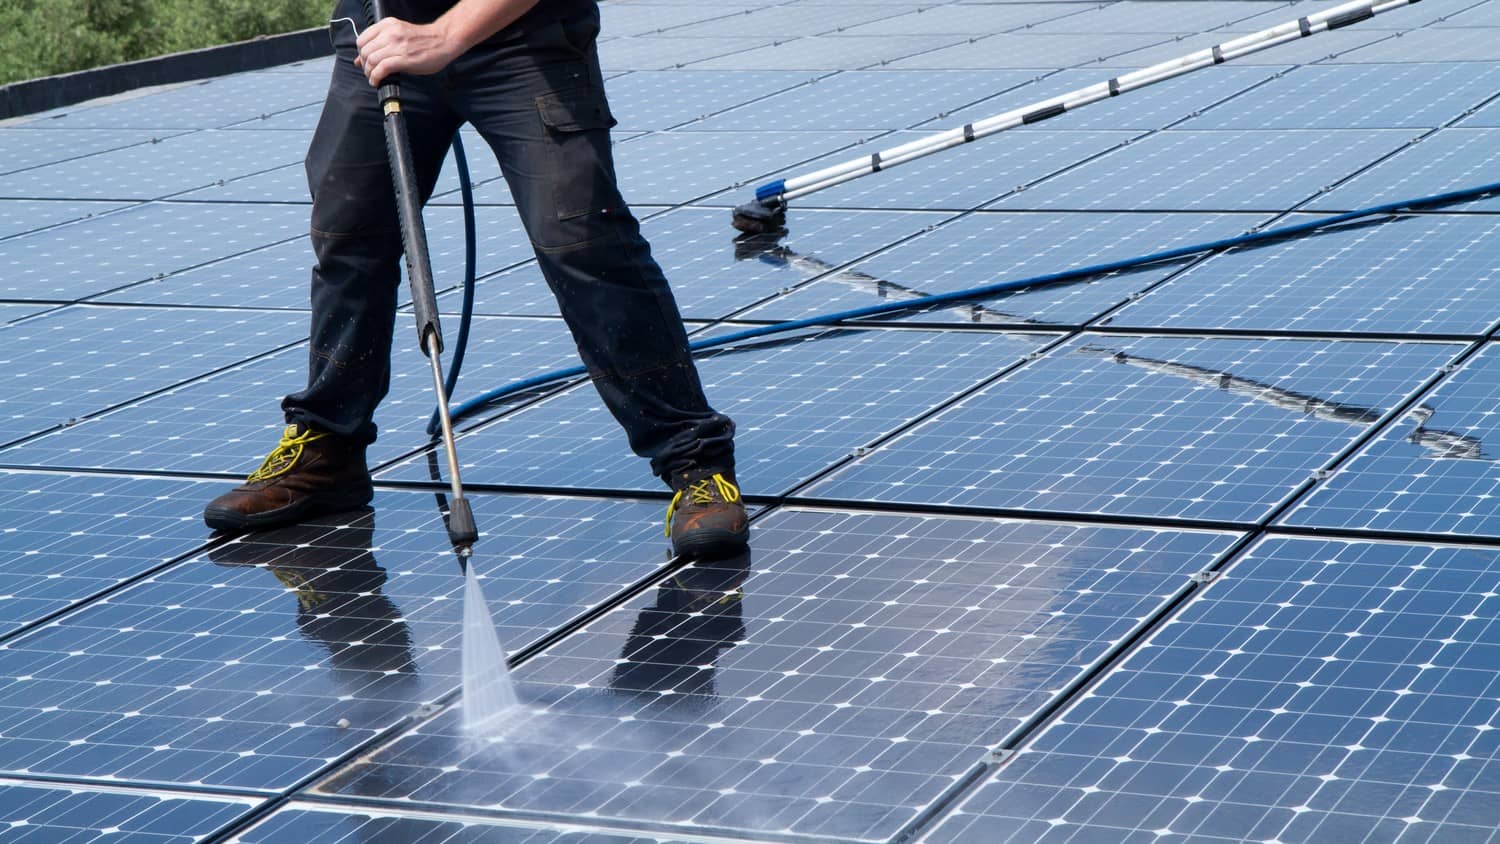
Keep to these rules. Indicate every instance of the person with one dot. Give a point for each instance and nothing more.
(526, 75)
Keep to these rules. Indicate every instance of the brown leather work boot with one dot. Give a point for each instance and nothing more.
(309, 473)
(706, 519)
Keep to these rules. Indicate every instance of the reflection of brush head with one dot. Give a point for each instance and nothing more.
(676, 642)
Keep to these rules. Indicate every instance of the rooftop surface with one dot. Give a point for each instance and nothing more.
(1205, 550)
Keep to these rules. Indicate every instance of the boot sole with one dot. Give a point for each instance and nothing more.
(230, 521)
(711, 544)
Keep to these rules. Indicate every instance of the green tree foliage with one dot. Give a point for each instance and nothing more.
(44, 37)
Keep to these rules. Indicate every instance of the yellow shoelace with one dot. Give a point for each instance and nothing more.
(700, 493)
(285, 455)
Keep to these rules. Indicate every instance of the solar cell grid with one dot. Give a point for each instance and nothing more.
(1322, 48)
(832, 52)
(204, 104)
(792, 20)
(795, 414)
(81, 360)
(1452, 159)
(1180, 170)
(226, 423)
(657, 100)
(1432, 472)
(35, 812)
(264, 660)
(1322, 691)
(26, 146)
(622, 19)
(338, 825)
(965, 19)
(1473, 44)
(90, 257)
(1178, 427)
(987, 248)
(1027, 50)
(663, 52)
(1156, 16)
(19, 216)
(1429, 274)
(830, 686)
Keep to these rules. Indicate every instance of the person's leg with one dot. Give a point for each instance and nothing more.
(541, 106)
(319, 465)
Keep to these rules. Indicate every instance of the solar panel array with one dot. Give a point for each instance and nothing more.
(1199, 549)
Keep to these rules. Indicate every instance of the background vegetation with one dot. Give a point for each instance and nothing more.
(44, 37)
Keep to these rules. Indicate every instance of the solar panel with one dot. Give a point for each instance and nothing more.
(1427, 274)
(831, 686)
(961, 178)
(661, 100)
(11, 313)
(793, 20)
(1323, 47)
(266, 659)
(987, 248)
(663, 52)
(1432, 45)
(19, 216)
(37, 812)
(1205, 171)
(831, 52)
(1324, 690)
(1178, 427)
(797, 411)
(620, 19)
(868, 100)
(1022, 50)
(1359, 96)
(77, 361)
(1173, 16)
(1432, 472)
(1477, 14)
(93, 256)
(969, 20)
(1452, 159)
(157, 170)
(69, 538)
(204, 104)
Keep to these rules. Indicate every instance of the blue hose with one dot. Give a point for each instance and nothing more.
(984, 291)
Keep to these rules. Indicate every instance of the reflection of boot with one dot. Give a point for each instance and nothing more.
(676, 642)
(340, 604)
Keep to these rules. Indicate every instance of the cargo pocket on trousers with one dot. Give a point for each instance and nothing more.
(582, 171)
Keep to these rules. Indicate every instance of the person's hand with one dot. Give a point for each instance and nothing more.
(396, 46)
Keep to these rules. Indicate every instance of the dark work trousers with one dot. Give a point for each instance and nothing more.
(537, 97)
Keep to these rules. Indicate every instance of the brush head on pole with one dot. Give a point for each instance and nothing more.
(760, 217)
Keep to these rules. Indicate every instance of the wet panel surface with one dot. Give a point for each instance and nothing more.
(34, 812)
(833, 685)
(1149, 426)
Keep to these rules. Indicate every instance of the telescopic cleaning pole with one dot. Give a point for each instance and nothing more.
(462, 531)
(767, 212)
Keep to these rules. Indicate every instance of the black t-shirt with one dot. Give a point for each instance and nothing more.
(545, 11)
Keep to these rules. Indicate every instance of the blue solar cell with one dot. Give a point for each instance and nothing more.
(11, 313)
(37, 812)
(712, 274)
(1453, 159)
(832, 52)
(27, 146)
(1201, 171)
(621, 19)
(18, 216)
(1474, 44)
(205, 104)
(967, 20)
(661, 100)
(77, 361)
(794, 20)
(227, 423)
(1432, 472)
(961, 178)
(1474, 15)
(987, 248)
(66, 539)
(1429, 274)
(1174, 16)
(263, 661)
(1034, 50)
(800, 406)
(1323, 691)
(334, 825)
(832, 686)
(868, 100)
(157, 170)
(1358, 97)
(1148, 426)
(93, 256)
(1486, 117)
(1153, 107)
(663, 52)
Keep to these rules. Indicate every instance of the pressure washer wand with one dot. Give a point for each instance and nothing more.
(462, 531)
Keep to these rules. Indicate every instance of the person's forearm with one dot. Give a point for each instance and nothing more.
(471, 21)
